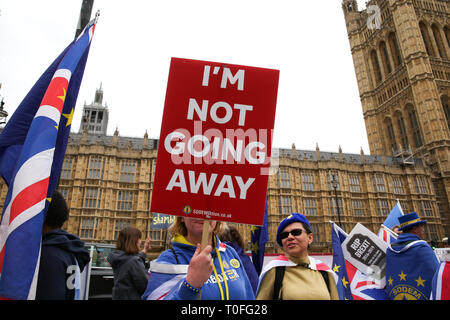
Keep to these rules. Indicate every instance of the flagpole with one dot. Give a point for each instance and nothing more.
(85, 16)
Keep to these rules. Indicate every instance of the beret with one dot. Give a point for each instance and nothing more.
(294, 217)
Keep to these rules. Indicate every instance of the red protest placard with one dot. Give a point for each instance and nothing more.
(215, 142)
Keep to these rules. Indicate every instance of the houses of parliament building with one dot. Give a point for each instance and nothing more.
(402, 64)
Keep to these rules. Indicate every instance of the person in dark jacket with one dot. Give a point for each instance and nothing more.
(231, 236)
(128, 264)
(63, 256)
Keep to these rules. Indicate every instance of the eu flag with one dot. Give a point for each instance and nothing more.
(32, 148)
(259, 237)
(392, 219)
(410, 267)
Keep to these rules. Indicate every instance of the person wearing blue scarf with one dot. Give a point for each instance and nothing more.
(410, 262)
(188, 272)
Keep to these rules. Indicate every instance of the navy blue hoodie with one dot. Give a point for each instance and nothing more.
(61, 253)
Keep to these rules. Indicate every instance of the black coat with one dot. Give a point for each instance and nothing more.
(130, 275)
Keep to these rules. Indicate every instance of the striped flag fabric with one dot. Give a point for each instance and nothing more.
(387, 235)
(32, 148)
(440, 289)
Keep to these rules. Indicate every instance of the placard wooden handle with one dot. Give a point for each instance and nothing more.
(205, 234)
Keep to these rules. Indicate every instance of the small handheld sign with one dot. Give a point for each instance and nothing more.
(215, 142)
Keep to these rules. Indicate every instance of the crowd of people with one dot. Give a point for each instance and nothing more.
(220, 270)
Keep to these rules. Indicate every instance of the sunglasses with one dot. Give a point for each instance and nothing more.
(294, 232)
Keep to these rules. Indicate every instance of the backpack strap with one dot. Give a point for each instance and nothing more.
(326, 279)
(175, 255)
(279, 275)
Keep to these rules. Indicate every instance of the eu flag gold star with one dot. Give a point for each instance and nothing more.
(69, 117)
(402, 276)
(253, 229)
(420, 282)
(344, 282)
(255, 247)
(390, 280)
(336, 268)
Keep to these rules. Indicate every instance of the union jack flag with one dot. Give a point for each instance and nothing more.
(387, 235)
(352, 284)
(440, 289)
(32, 148)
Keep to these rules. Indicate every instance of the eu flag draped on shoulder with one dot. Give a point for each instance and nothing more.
(410, 262)
(32, 148)
(259, 237)
(352, 283)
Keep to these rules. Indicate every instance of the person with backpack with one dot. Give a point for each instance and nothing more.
(295, 275)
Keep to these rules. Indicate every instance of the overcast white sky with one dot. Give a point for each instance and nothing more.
(318, 98)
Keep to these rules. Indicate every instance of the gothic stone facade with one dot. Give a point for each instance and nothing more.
(107, 181)
(401, 55)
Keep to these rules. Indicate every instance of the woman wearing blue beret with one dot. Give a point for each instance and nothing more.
(295, 275)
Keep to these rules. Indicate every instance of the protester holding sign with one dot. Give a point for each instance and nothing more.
(189, 272)
(296, 276)
(410, 262)
(215, 141)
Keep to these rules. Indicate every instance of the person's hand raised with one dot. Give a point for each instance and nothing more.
(147, 246)
(200, 267)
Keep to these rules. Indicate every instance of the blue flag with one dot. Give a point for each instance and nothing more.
(259, 237)
(32, 148)
(392, 219)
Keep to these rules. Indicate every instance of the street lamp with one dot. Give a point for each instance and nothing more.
(334, 183)
(3, 113)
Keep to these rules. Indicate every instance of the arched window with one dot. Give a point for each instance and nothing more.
(414, 126)
(402, 130)
(391, 134)
(426, 39)
(439, 42)
(445, 104)
(395, 51)
(447, 35)
(376, 66)
(385, 58)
